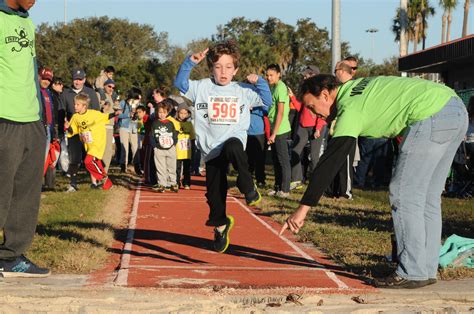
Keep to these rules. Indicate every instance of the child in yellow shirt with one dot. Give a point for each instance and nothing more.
(90, 125)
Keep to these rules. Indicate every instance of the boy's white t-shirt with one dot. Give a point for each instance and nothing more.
(221, 112)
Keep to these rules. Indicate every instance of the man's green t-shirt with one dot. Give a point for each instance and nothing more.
(280, 94)
(384, 106)
(18, 89)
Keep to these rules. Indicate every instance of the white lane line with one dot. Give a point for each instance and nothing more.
(232, 268)
(330, 274)
(122, 275)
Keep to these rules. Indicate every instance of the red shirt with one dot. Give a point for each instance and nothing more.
(307, 117)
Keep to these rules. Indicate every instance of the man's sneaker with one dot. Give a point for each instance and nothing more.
(187, 187)
(21, 267)
(394, 281)
(296, 185)
(106, 183)
(253, 198)
(222, 239)
(71, 189)
(282, 194)
(175, 188)
(159, 188)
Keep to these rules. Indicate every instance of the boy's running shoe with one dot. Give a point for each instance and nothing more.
(175, 188)
(96, 186)
(22, 267)
(253, 198)
(187, 187)
(222, 239)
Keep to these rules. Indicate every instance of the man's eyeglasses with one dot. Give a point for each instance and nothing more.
(111, 86)
(354, 68)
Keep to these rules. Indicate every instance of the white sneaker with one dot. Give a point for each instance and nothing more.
(282, 194)
(71, 189)
(272, 193)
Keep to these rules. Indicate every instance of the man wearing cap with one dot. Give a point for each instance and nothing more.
(74, 143)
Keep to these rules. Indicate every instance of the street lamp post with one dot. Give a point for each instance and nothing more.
(372, 31)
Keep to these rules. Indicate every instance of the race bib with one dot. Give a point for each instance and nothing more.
(223, 110)
(86, 137)
(184, 144)
(166, 141)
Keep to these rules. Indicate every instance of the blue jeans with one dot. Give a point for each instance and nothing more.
(426, 154)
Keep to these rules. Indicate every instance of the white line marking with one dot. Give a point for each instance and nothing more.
(122, 275)
(175, 201)
(230, 268)
(330, 274)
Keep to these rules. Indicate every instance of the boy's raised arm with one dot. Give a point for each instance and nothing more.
(181, 81)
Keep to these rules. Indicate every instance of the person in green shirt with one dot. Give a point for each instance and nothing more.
(280, 131)
(22, 140)
(432, 120)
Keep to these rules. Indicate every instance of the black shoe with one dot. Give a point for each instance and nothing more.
(253, 198)
(396, 282)
(22, 267)
(97, 186)
(222, 240)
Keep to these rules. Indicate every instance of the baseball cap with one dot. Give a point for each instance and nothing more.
(109, 81)
(310, 70)
(78, 74)
(46, 74)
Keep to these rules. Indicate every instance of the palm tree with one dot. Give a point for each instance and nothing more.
(417, 13)
(466, 16)
(448, 6)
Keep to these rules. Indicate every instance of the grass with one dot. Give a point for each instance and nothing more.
(357, 233)
(76, 230)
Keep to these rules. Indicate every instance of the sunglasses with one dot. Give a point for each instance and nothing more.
(354, 68)
(111, 86)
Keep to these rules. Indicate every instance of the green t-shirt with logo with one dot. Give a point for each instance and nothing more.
(280, 94)
(18, 91)
(384, 106)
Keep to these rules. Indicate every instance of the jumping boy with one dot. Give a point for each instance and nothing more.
(221, 120)
(90, 125)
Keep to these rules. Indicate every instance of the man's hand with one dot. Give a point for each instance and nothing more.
(271, 139)
(252, 78)
(295, 221)
(198, 57)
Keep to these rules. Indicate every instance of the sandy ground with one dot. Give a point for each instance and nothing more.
(68, 293)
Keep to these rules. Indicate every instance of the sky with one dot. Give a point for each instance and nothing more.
(187, 20)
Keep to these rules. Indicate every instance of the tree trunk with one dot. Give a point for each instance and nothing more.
(417, 31)
(466, 17)
(448, 31)
(443, 28)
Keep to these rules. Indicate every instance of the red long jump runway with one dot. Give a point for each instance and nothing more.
(168, 245)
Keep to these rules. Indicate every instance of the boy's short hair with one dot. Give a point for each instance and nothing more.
(141, 107)
(167, 104)
(82, 98)
(109, 69)
(350, 58)
(228, 47)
